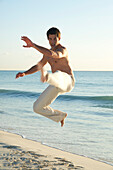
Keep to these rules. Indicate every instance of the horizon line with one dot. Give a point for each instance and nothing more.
(50, 70)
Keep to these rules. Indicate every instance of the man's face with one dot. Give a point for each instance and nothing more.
(53, 40)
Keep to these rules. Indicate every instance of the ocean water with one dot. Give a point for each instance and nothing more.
(88, 129)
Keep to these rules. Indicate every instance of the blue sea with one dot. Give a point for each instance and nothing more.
(88, 129)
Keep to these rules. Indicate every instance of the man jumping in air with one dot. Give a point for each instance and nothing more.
(61, 79)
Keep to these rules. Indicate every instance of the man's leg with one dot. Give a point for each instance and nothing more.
(60, 82)
(42, 107)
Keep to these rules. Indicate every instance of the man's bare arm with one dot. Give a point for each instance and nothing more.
(50, 53)
(33, 69)
(47, 52)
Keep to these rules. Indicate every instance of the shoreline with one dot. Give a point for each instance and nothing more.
(24, 137)
(32, 154)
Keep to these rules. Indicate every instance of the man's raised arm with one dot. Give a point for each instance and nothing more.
(47, 52)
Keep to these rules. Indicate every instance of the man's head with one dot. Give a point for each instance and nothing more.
(55, 31)
(53, 35)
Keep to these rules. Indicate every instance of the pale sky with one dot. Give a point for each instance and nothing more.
(86, 28)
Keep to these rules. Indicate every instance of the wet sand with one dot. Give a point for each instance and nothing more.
(19, 153)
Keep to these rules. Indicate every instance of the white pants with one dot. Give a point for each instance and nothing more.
(60, 83)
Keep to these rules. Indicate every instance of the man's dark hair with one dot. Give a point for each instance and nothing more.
(53, 30)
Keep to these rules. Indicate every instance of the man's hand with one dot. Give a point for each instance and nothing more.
(29, 43)
(20, 75)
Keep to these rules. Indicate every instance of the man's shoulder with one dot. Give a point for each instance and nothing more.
(61, 48)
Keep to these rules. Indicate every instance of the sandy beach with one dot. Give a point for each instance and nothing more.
(19, 153)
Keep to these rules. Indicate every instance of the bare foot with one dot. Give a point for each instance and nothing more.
(62, 122)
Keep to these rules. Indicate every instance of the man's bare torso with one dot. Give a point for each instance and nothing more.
(61, 64)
